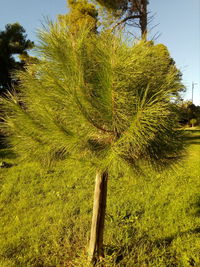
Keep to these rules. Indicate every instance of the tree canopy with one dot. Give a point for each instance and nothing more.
(81, 13)
(98, 95)
(13, 41)
(130, 12)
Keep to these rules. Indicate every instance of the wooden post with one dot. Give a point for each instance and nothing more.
(98, 218)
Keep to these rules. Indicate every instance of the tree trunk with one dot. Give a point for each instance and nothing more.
(98, 218)
(143, 19)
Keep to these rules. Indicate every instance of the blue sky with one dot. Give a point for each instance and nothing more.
(178, 25)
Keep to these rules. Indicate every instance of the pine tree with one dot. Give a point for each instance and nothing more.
(12, 42)
(131, 12)
(97, 100)
(81, 13)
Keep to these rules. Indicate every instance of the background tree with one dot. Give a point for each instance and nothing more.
(187, 111)
(81, 13)
(13, 41)
(99, 102)
(193, 122)
(128, 12)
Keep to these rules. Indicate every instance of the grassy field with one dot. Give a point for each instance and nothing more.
(152, 219)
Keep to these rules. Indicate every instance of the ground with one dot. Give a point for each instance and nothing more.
(153, 219)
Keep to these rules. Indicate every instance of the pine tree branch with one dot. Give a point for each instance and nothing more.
(125, 19)
(137, 6)
(89, 118)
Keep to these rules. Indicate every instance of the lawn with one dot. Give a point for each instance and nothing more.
(153, 218)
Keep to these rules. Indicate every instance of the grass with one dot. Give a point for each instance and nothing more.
(152, 219)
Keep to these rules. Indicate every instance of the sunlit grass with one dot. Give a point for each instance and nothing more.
(152, 219)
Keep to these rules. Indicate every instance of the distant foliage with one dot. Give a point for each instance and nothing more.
(13, 41)
(193, 122)
(188, 111)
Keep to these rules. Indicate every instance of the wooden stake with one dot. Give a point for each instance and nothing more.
(98, 218)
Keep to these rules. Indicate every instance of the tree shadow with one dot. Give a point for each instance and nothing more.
(166, 241)
(194, 142)
(193, 131)
(7, 154)
(7, 158)
(197, 206)
(120, 252)
(193, 137)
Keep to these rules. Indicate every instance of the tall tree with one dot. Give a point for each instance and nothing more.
(97, 101)
(130, 12)
(13, 41)
(81, 13)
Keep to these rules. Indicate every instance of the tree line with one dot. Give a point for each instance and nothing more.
(189, 114)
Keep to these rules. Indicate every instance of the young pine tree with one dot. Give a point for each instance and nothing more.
(96, 99)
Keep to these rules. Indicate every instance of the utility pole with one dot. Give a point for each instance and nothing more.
(193, 84)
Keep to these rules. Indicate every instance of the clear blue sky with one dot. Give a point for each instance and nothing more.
(179, 26)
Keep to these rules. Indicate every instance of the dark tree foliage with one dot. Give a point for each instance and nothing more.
(189, 111)
(13, 41)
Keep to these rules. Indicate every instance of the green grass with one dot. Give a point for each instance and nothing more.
(152, 219)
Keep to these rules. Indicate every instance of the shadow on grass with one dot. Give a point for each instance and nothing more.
(168, 240)
(197, 206)
(192, 137)
(146, 244)
(194, 142)
(7, 153)
(193, 131)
